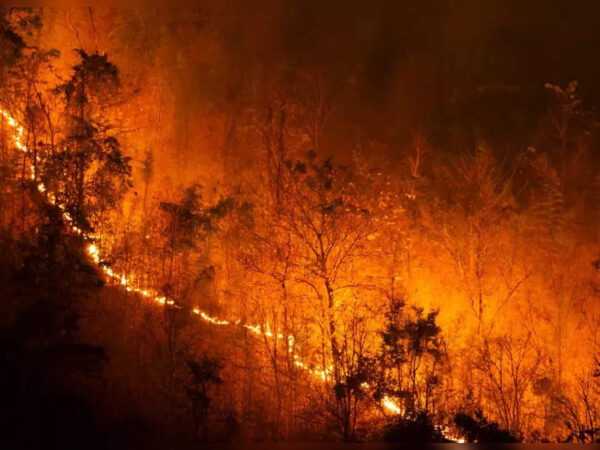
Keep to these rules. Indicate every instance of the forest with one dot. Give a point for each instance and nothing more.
(299, 222)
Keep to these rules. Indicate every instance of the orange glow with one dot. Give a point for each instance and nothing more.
(390, 405)
(322, 374)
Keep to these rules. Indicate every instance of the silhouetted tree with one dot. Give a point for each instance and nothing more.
(411, 358)
(419, 429)
(478, 429)
(44, 362)
(89, 173)
(203, 375)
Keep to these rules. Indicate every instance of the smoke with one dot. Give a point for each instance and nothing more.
(389, 69)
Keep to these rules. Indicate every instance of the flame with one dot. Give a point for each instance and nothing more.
(448, 434)
(213, 320)
(391, 405)
(93, 251)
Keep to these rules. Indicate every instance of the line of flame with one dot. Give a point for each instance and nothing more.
(93, 251)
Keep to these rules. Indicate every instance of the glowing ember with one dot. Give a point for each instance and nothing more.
(390, 405)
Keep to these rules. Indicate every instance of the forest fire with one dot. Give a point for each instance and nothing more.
(94, 252)
(358, 238)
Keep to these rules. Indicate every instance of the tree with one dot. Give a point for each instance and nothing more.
(510, 366)
(187, 223)
(45, 362)
(411, 358)
(13, 43)
(89, 173)
(419, 429)
(330, 215)
(203, 375)
(477, 429)
(567, 108)
(474, 222)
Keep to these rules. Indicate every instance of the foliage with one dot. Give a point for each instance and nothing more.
(46, 280)
(411, 358)
(419, 429)
(202, 375)
(88, 171)
(478, 429)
